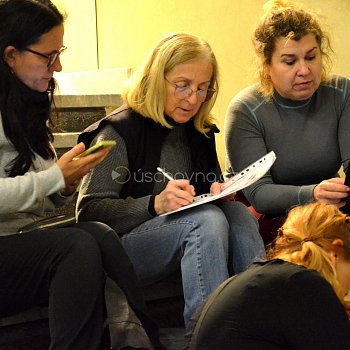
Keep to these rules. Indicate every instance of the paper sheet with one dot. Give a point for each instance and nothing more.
(242, 179)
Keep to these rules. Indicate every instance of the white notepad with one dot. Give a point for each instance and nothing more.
(242, 179)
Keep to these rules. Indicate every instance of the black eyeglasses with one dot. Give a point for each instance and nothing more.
(52, 56)
(183, 92)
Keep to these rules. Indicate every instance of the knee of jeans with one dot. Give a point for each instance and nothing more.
(241, 207)
(238, 211)
(212, 219)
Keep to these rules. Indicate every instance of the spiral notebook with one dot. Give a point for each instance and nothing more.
(240, 180)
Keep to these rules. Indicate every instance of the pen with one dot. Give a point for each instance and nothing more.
(165, 174)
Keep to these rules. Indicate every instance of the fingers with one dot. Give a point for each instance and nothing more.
(332, 191)
(182, 189)
(340, 204)
(92, 160)
(215, 188)
(85, 164)
(74, 152)
(177, 193)
(74, 169)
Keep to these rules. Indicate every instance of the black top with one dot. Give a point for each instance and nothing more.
(275, 305)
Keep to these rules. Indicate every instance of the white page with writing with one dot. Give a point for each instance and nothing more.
(240, 180)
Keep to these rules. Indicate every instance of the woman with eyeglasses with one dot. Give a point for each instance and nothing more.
(62, 267)
(166, 122)
(298, 110)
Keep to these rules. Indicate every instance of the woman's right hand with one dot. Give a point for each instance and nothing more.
(332, 191)
(177, 194)
(73, 169)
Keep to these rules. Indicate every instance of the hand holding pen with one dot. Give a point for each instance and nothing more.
(177, 193)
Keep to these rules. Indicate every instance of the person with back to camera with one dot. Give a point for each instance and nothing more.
(166, 123)
(294, 300)
(62, 267)
(297, 110)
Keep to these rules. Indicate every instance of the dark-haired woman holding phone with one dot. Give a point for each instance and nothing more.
(62, 267)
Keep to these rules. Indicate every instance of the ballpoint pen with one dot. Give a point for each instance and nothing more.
(165, 174)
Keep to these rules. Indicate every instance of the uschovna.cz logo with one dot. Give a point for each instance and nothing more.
(122, 175)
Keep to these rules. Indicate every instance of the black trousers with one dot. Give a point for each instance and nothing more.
(65, 268)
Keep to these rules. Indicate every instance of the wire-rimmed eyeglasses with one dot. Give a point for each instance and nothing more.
(51, 57)
(183, 92)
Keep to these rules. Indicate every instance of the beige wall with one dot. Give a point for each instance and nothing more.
(127, 29)
(80, 35)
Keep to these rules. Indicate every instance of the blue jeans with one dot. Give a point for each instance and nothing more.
(245, 242)
(199, 240)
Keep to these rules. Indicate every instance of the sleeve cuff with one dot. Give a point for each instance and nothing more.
(151, 209)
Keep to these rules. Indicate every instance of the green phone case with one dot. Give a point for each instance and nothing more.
(97, 147)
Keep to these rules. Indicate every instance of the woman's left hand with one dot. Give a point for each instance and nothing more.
(332, 191)
(73, 168)
(216, 188)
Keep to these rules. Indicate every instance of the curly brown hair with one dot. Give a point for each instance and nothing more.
(286, 19)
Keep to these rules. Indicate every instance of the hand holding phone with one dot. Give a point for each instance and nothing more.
(75, 164)
(100, 145)
(346, 208)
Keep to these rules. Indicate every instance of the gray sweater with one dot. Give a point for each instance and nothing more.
(26, 198)
(99, 197)
(311, 140)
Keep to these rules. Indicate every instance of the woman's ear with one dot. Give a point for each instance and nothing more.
(266, 70)
(9, 55)
(337, 243)
(336, 248)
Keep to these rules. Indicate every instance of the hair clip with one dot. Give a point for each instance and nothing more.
(347, 218)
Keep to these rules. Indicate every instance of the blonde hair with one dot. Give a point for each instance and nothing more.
(286, 19)
(306, 239)
(145, 92)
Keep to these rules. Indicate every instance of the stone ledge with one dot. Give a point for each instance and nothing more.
(65, 139)
(95, 88)
(73, 101)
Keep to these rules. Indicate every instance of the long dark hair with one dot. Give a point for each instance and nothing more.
(25, 113)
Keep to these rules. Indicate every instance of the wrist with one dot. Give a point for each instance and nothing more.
(314, 193)
(151, 206)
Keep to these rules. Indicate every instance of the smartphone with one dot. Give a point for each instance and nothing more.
(99, 145)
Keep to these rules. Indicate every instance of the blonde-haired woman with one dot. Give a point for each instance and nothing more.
(294, 300)
(166, 123)
(298, 110)
(146, 94)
